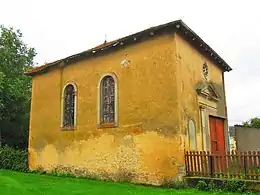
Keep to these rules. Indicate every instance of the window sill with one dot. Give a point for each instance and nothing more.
(69, 128)
(107, 125)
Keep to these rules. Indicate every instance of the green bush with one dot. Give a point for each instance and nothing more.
(13, 159)
(234, 186)
(212, 187)
(228, 186)
(202, 185)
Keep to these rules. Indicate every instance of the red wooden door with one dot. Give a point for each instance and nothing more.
(217, 135)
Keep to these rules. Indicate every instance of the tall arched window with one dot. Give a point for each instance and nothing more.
(69, 106)
(192, 135)
(107, 100)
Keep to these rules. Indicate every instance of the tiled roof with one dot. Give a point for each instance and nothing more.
(177, 26)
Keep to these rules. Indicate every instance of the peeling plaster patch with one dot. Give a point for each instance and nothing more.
(132, 125)
(128, 140)
(127, 137)
(49, 157)
(173, 160)
(137, 157)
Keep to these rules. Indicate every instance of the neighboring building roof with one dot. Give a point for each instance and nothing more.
(177, 26)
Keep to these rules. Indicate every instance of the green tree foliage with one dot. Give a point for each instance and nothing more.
(13, 159)
(253, 122)
(15, 88)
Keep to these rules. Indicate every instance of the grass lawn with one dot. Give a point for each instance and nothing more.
(15, 183)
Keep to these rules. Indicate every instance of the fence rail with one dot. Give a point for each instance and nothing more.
(240, 165)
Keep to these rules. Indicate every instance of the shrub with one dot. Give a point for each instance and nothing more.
(212, 187)
(235, 186)
(13, 159)
(228, 185)
(202, 185)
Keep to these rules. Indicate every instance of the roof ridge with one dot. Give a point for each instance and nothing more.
(173, 26)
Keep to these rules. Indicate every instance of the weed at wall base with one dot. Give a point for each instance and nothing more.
(174, 184)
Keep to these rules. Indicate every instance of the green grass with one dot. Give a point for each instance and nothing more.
(15, 183)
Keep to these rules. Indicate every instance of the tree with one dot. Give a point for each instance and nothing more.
(15, 88)
(253, 122)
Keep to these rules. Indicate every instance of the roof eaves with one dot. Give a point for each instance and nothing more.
(204, 46)
(120, 42)
(178, 26)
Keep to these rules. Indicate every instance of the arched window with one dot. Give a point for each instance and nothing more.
(192, 135)
(69, 106)
(107, 101)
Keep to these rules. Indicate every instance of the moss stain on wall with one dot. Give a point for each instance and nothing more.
(150, 157)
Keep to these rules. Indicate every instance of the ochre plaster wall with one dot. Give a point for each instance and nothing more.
(156, 97)
(147, 142)
(189, 67)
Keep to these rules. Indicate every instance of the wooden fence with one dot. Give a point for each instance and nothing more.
(240, 165)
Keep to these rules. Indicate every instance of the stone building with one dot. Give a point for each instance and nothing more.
(130, 107)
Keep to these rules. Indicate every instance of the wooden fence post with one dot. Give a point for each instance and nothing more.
(245, 164)
(187, 163)
(211, 165)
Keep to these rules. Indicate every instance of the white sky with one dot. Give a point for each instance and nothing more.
(58, 28)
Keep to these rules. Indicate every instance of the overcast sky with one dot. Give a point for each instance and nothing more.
(58, 28)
